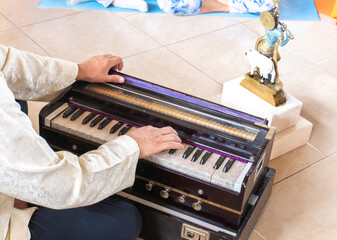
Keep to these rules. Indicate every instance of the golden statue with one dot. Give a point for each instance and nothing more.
(263, 79)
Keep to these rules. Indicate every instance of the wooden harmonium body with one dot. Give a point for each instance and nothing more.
(215, 179)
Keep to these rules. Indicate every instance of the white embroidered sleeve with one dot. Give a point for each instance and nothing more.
(30, 170)
(33, 77)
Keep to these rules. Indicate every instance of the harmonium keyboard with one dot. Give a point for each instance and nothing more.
(214, 188)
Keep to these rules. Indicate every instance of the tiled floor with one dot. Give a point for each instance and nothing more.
(196, 55)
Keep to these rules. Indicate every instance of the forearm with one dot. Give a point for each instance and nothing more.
(63, 180)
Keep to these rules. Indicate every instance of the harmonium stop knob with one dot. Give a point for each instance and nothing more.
(182, 198)
(197, 206)
(165, 193)
(149, 186)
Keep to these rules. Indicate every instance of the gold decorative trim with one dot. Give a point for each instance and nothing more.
(190, 195)
(271, 133)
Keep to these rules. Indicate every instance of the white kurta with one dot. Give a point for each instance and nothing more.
(29, 169)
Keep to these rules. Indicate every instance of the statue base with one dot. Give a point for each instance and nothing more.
(292, 130)
(271, 93)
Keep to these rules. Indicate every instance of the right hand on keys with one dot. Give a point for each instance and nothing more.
(152, 140)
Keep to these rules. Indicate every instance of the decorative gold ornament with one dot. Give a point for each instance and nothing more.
(268, 20)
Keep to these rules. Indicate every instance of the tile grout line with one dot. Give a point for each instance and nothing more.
(126, 19)
(167, 45)
(316, 148)
(260, 234)
(142, 52)
(203, 34)
(48, 20)
(35, 42)
(312, 65)
(193, 66)
(19, 29)
(9, 22)
(301, 170)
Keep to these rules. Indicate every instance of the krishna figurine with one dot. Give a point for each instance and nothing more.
(263, 80)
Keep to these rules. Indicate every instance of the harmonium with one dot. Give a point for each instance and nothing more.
(215, 188)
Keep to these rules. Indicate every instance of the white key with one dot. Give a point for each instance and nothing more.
(231, 180)
(228, 179)
(85, 131)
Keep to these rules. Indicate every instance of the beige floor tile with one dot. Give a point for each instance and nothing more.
(168, 29)
(291, 62)
(82, 37)
(19, 40)
(317, 89)
(314, 41)
(162, 67)
(256, 236)
(255, 25)
(126, 14)
(34, 109)
(243, 19)
(5, 24)
(330, 66)
(23, 13)
(294, 161)
(219, 54)
(302, 207)
(215, 98)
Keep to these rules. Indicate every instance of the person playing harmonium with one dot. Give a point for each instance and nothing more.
(58, 195)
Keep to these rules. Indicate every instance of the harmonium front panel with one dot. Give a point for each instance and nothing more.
(224, 154)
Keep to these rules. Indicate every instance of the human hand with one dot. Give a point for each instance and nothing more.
(152, 140)
(289, 35)
(95, 69)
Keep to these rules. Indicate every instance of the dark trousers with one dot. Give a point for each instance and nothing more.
(24, 106)
(111, 219)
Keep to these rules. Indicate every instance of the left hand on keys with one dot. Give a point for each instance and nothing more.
(152, 140)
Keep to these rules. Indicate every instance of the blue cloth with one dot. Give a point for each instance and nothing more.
(250, 6)
(180, 7)
(289, 9)
(192, 7)
(112, 218)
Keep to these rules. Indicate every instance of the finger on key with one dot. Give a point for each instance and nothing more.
(167, 130)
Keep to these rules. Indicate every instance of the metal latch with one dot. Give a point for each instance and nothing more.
(193, 233)
(253, 199)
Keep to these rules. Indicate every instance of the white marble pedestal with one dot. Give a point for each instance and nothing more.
(292, 130)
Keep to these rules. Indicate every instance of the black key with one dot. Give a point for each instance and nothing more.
(96, 120)
(197, 155)
(104, 123)
(219, 162)
(205, 157)
(69, 111)
(116, 127)
(124, 130)
(228, 165)
(88, 118)
(188, 152)
(172, 151)
(77, 114)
